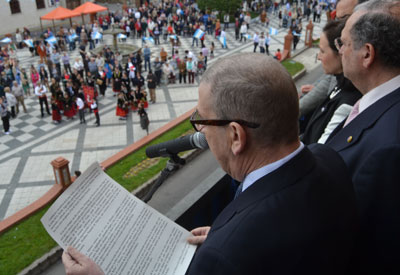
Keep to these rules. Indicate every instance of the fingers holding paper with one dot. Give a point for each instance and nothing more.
(199, 235)
(76, 263)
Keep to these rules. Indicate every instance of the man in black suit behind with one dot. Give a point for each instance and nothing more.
(369, 140)
(295, 213)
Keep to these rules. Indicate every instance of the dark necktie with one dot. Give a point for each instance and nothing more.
(238, 190)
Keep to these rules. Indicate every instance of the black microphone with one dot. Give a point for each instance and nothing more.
(173, 147)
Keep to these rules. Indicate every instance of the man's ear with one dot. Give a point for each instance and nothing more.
(368, 55)
(238, 137)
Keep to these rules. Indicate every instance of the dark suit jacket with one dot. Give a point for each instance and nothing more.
(370, 146)
(299, 219)
(324, 112)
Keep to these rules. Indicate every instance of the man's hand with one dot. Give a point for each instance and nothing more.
(76, 263)
(306, 88)
(199, 235)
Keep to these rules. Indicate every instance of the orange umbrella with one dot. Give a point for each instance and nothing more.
(59, 13)
(88, 8)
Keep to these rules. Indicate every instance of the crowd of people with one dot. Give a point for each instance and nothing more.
(65, 78)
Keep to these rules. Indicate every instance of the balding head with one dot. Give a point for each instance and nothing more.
(255, 88)
(345, 8)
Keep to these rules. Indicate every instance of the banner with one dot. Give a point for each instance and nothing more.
(29, 43)
(72, 37)
(273, 31)
(150, 39)
(222, 40)
(198, 34)
(172, 36)
(96, 35)
(52, 40)
(6, 40)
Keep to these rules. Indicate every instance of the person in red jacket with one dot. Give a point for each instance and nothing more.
(278, 55)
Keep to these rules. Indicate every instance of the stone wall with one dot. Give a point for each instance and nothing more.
(28, 17)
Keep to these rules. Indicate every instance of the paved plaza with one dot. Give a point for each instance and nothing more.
(25, 154)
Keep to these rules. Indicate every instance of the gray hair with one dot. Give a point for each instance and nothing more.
(257, 89)
(376, 5)
(379, 27)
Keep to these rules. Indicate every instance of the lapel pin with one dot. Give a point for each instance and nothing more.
(349, 139)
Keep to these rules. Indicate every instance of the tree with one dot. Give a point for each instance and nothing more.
(223, 6)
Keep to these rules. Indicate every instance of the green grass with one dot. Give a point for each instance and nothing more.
(27, 241)
(254, 14)
(292, 67)
(118, 170)
(23, 244)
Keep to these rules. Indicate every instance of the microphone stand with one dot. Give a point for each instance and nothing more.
(172, 165)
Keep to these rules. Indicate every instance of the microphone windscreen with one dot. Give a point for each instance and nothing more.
(199, 140)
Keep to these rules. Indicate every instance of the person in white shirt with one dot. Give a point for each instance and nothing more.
(256, 41)
(137, 15)
(243, 32)
(247, 20)
(18, 39)
(40, 92)
(226, 21)
(78, 65)
(81, 109)
(267, 41)
(11, 100)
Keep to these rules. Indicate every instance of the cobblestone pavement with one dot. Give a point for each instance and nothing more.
(25, 154)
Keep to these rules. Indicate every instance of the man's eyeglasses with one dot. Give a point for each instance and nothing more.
(197, 120)
(338, 43)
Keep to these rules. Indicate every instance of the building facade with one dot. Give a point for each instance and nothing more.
(26, 13)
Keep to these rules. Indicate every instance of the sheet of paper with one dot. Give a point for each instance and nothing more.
(118, 231)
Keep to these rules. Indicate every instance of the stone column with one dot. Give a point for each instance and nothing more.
(309, 31)
(287, 46)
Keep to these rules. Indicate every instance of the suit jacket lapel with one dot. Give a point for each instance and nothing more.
(342, 138)
(320, 113)
(277, 180)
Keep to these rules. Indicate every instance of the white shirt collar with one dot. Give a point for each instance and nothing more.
(378, 92)
(265, 170)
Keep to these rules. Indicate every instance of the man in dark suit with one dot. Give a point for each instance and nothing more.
(296, 211)
(369, 140)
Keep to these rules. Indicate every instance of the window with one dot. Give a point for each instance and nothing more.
(14, 6)
(72, 4)
(40, 4)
